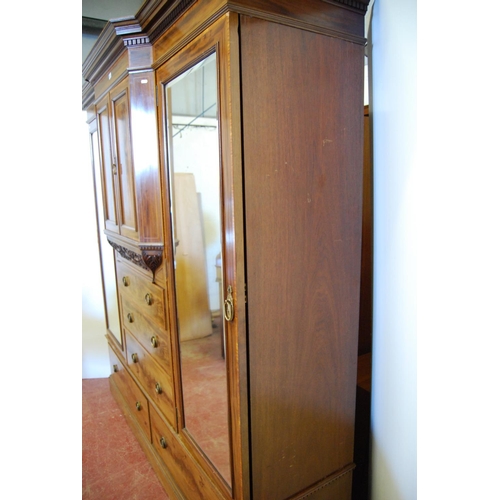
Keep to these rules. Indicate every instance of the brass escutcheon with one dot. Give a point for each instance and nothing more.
(229, 305)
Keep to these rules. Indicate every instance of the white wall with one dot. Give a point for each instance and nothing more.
(459, 265)
(393, 108)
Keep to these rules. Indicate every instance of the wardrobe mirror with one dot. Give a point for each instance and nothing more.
(195, 190)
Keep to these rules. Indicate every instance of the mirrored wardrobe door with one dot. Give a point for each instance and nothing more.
(192, 132)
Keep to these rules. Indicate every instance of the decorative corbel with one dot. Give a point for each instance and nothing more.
(150, 258)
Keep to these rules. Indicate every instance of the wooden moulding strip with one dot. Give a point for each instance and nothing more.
(317, 16)
(325, 482)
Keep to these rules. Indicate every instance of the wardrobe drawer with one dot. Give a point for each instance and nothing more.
(133, 396)
(118, 371)
(146, 296)
(156, 382)
(152, 338)
(190, 478)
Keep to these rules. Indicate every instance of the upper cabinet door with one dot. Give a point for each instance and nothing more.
(122, 161)
(108, 168)
(117, 166)
(203, 196)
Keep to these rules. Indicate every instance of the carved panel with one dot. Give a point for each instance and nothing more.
(150, 257)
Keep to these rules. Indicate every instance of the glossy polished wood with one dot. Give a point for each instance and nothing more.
(152, 339)
(134, 288)
(303, 180)
(234, 247)
(145, 151)
(155, 380)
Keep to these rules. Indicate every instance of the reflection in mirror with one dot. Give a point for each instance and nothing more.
(194, 168)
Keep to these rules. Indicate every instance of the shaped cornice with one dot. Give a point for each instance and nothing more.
(108, 47)
(157, 15)
(119, 34)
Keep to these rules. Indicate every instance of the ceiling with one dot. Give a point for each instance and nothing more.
(110, 9)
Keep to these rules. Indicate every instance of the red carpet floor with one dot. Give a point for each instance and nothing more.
(114, 467)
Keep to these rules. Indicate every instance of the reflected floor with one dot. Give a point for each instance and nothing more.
(205, 398)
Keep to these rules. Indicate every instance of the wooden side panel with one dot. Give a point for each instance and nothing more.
(302, 116)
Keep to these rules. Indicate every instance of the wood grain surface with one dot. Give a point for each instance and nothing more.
(302, 135)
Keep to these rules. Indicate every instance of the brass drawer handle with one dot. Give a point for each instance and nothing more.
(115, 368)
(158, 388)
(148, 299)
(229, 305)
(163, 442)
(154, 341)
(138, 405)
(130, 317)
(126, 281)
(134, 357)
